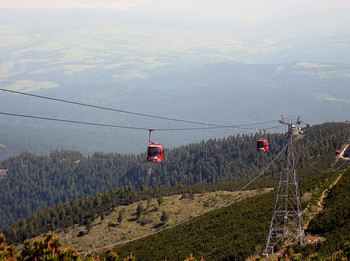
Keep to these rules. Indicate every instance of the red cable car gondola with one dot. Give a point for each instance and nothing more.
(155, 151)
(262, 145)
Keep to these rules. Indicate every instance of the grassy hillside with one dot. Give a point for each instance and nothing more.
(124, 224)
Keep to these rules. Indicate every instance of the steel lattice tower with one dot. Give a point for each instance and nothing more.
(287, 220)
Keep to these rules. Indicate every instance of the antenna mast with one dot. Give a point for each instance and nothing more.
(287, 220)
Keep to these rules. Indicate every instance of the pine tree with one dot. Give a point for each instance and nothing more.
(160, 200)
(140, 210)
(165, 217)
(88, 225)
(121, 215)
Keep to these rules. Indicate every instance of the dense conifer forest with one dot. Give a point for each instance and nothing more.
(31, 182)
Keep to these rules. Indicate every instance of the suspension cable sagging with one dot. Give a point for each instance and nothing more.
(239, 126)
(119, 126)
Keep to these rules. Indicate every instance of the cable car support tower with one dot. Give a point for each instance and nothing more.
(287, 220)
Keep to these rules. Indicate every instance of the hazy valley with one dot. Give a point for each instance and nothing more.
(172, 73)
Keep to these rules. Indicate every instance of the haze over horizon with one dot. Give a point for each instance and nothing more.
(261, 28)
(223, 62)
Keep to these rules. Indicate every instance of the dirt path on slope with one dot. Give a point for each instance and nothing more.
(320, 202)
(324, 193)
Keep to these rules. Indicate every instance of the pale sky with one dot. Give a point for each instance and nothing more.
(254, 24)
(40, 4)
(248, 10)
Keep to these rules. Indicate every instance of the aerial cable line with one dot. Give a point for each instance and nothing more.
(240, 126)
(109, 125)
(70, 121)
(274, 127)
(198, 215)
(94, 124)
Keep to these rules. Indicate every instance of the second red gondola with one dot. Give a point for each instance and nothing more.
(262, 145)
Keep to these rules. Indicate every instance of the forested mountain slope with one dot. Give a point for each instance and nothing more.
(239, 221)
(240, 230)
(333, 222)
(30, 182)
(235, 231)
